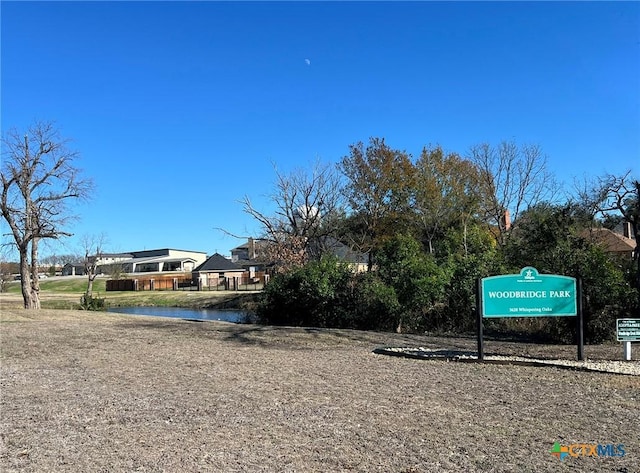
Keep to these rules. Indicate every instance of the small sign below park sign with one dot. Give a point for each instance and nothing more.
(628, 330)
(529, 294)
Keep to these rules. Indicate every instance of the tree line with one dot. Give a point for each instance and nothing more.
(430, 226)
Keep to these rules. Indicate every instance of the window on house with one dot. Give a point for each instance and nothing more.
(147, 267)
(172, 266)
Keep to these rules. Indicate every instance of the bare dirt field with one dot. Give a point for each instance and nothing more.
(100, 392)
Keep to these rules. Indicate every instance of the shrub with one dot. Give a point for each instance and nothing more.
(417, 280)
(373, 304)
(88, 302)
(314, 295)
(328, 294)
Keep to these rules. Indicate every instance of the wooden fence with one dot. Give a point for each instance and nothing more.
(120, 285)
(184, 283)
(239, 283)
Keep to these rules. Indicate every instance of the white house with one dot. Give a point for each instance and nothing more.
(162, 260)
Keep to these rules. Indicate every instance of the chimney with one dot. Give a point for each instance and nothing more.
(626, 229)
(252, 249)
(506, 220)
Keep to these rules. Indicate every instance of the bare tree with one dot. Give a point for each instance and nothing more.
(39, 180)
(512, 178)
(621, 194)
(303, 206)
(587, 195)
(93, 248)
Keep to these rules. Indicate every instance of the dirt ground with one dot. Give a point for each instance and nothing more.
(113, 393)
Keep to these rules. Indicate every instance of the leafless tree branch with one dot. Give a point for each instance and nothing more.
(513, 178)
(39, 180)
(301, 205)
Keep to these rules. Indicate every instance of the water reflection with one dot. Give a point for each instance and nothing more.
(235, 316)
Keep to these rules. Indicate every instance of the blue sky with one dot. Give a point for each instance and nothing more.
(179, 109)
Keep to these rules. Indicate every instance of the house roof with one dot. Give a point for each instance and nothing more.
(257, 243)
(115, 255)
(327, 243)
(611, 241)
(156, 259)
(343, 252)
(160, 252)
(217, 262)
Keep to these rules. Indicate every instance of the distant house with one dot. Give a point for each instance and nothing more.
(249, 254)
(107, 259)
(216, 270)
(624, 229)
(74, 269)
(246, 252)
(611, 241)
(103, 262)
(146, 261)
(162, 260)
(356, 260)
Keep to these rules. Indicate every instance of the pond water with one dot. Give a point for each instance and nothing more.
(235, 316)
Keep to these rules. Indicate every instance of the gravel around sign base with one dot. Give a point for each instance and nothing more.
(631, 368)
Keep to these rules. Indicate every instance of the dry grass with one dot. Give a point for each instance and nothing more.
(107, 392)
(71, 300)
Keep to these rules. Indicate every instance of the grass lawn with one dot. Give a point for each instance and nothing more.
(68, 284)
(65, 293)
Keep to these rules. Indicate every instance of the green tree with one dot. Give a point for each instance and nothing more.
(542, 229)
(379, 180)
(445, 193)
(373, 304)
(549, 237)
(326, 293)
(415, 277)
(313, 295)
(465, 257)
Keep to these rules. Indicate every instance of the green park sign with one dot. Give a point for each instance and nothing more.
(529, 294)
